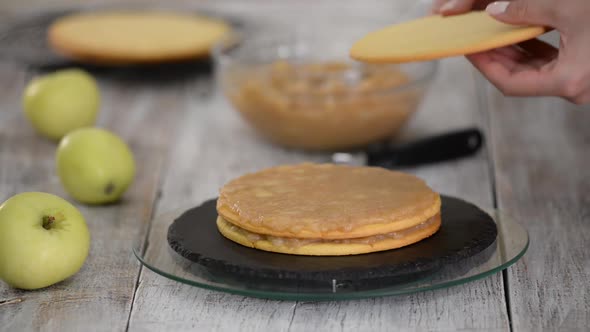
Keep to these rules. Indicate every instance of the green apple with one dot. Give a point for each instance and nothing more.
(94, 165)
(43, 240)
(62, 101)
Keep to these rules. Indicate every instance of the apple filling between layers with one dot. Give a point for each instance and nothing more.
(299, 242)
(290, 201)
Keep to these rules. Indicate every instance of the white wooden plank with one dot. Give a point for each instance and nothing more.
(212, 147)
(162, 304)
(542, 158)
(99, 297)
(476, 306)
(215, 145)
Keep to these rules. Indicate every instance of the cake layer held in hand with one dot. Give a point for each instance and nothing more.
(436, 37)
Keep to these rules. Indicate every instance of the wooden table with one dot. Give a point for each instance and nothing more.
(188, 142)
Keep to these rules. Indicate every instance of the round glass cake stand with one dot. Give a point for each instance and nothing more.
(510, 245)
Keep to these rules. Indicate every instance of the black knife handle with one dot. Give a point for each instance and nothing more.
(433, 149)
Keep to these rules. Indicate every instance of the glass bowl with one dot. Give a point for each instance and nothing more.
(300, 89)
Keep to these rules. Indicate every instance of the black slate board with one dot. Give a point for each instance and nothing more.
(466, 231)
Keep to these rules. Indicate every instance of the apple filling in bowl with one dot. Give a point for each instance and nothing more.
(323, 105)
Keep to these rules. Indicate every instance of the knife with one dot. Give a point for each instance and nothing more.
(430, 150)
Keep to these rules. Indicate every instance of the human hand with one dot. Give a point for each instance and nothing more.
(535, 68)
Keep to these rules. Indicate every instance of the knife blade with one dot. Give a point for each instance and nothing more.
(430, 150)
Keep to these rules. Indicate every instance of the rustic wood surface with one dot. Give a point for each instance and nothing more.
(102, 291)
(201, 165)
(542, 168)
(188, 142)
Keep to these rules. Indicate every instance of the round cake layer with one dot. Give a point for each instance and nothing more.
(326, 201)
(321, 247)
(434, 37)
(135, 37)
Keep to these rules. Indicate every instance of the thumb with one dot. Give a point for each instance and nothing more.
(522, 12)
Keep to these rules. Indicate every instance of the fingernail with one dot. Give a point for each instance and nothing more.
(449, 5)
(497, 8)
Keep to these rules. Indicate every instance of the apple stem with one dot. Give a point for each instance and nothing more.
(49, 221)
